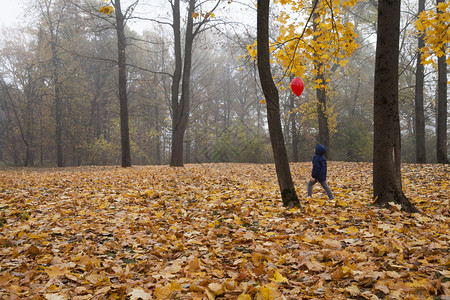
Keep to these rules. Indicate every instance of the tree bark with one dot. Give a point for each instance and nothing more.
(158, 136)
(441, 132)
(58, 109)
(180, 108)
(294, 130)
(123, 97)
(288, 194)
(54, 31)
(387, 180)
(324, 133)
(176, 158)
(421, 157)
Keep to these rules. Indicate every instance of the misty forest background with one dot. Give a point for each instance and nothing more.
(68, 51)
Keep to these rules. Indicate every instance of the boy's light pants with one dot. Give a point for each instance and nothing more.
(324, 185)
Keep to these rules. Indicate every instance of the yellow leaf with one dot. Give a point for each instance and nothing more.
(167, 291)
(343, 63)
(417, 283)
(244, 297)
(216, 288)
(55, 271)
(263, 101)
(352, 230)
(346, 270)
(95, 277)
(264, 294)
(277, 277)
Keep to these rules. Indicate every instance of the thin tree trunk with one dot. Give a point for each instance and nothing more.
(420, 115)
(158, 137)
(288, 194)
(441, 149)
(123, 97)
(387, 180)
(19, 124)
(181, 108)
(58, 119)
(57, 91)
(2, 138)
(176, 158)
(294, 131)
(324, 133)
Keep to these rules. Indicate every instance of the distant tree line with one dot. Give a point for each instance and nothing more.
(59, 95)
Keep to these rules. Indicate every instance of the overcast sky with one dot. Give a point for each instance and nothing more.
(10, 12)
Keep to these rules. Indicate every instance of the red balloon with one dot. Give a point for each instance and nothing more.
(297, 86)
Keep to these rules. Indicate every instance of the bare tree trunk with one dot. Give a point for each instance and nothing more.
(58, 108)
(387, 177)
(123, 97)
(441, 149)
(324, 133)
(180, 109)
(158, 136)
(176, 158)
(53, 27)
(288, 194)
(294, 131)
(420, 115)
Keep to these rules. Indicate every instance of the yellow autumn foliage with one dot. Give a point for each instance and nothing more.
(434, 25)
(107, 10)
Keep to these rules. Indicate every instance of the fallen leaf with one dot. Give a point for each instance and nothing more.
(216, 288)
(353, 290)
(277, 277)
(138, 293)
(167, 291)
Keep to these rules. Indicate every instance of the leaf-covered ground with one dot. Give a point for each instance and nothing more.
(219, 231)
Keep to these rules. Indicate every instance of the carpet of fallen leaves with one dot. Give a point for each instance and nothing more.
(219, 231)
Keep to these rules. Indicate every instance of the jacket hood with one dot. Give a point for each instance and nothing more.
(320, 149)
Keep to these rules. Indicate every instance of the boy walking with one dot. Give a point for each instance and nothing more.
(319, 171)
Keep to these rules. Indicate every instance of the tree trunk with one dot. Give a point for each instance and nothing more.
(420, 115)
(441, 149)
(180, 109)
(158, 136)
(57, 93)
(324, 133)
(123, 97)
(176, 158)
(387, 180)
(294, 131)
(58, 120)
(2, 138)
(285, 182)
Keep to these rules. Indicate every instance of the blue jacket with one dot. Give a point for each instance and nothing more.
(319, 171)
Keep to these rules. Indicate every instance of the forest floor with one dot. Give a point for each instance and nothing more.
(219, 231)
